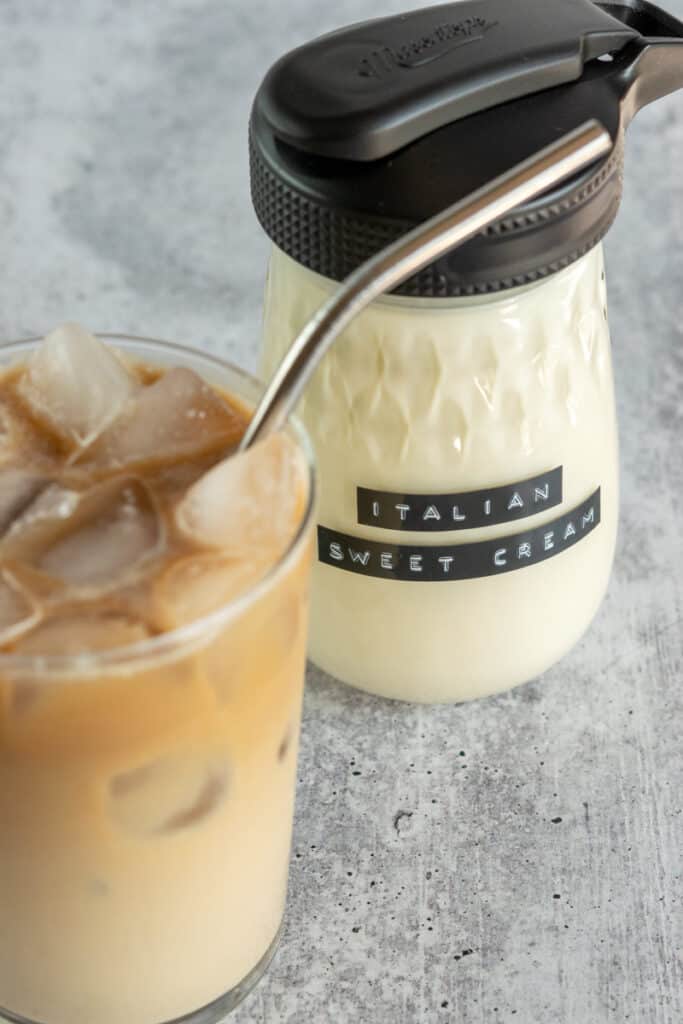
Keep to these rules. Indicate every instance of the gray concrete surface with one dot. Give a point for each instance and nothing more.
(513, 860)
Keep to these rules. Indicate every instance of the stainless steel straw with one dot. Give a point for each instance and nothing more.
(410, 254)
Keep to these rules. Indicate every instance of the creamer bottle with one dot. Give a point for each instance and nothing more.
(465, 426)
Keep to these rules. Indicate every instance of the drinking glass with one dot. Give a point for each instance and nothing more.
(147, 792)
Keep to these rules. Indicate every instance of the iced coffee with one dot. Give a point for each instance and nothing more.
(153, 589)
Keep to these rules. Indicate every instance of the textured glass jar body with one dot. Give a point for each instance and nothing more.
(445, 410)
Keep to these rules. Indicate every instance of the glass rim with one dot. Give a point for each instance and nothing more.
(178, 641)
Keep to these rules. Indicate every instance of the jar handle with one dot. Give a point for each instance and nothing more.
(652, 65)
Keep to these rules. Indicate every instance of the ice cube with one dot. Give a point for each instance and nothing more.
(249, 505)
(18, 611)
(18, 488)
(72, 634)
(76, 383)
(93, 541)
(200, 584)
(83, 632)
(177, 417)
(169, 794)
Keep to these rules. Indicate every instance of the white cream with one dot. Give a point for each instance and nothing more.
(450, 396)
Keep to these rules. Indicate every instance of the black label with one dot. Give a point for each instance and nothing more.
(459, 561)
(439, 512)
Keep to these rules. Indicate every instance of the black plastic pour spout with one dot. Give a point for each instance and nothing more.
(361, 134)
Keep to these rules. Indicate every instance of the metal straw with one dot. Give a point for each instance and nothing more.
(410, 254)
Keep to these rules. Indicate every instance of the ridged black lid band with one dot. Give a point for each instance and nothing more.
(333, 241)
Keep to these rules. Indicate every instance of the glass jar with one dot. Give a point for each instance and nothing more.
(467, 453)
(465, 425)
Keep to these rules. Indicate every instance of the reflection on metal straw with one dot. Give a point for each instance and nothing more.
(410, 254)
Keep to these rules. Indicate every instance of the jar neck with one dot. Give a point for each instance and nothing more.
(589, 265)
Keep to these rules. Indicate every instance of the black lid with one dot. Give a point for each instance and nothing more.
(361, 134)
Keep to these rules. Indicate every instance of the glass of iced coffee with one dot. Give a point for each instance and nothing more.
(153, 612)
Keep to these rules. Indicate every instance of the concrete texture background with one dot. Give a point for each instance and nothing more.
(517, 859)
